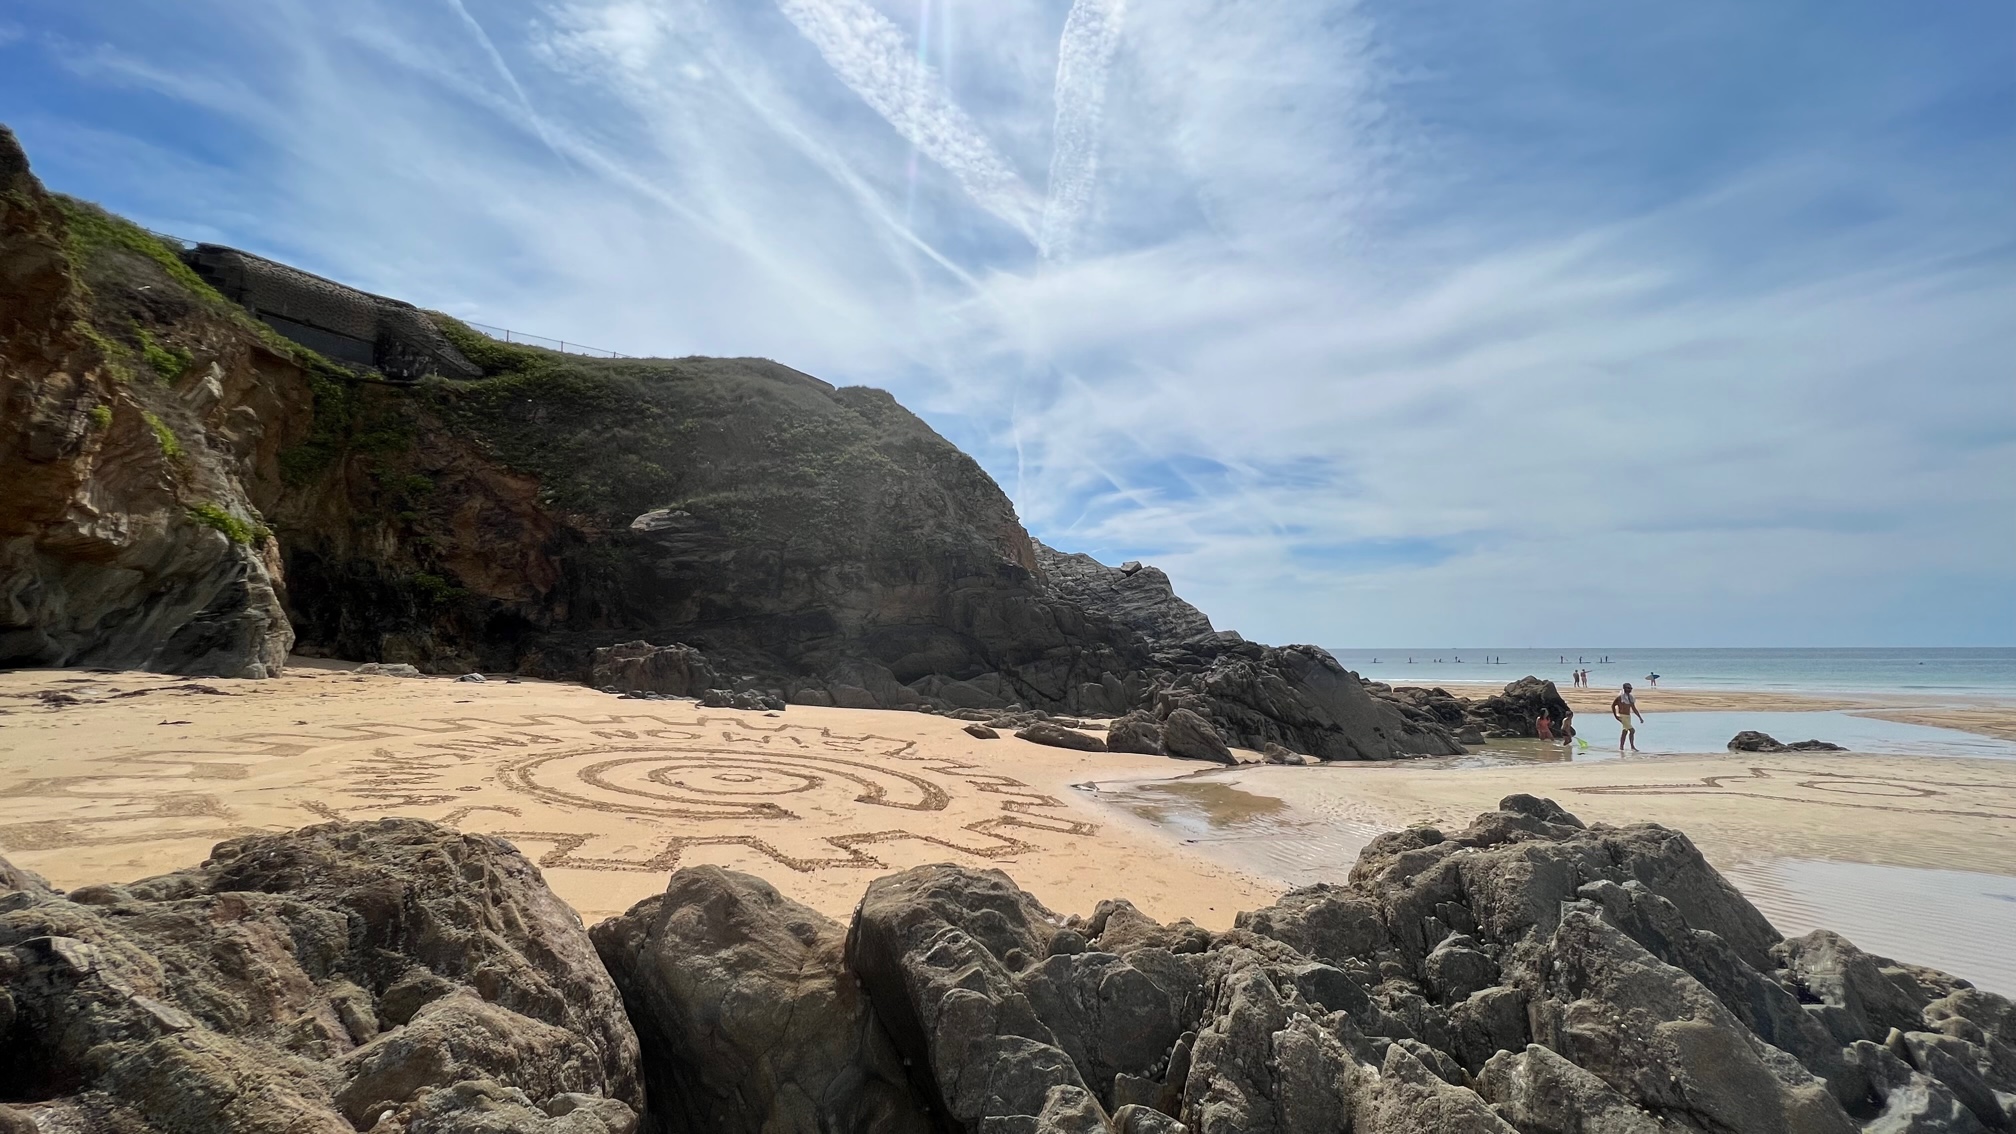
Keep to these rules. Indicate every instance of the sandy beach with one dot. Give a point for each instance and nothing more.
(107, 777)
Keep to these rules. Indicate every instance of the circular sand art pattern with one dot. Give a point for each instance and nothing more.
(623, 792)
(716, 784)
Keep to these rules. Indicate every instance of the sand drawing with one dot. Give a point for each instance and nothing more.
(627, 791)
(1974, 799)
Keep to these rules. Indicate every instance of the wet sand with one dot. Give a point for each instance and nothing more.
(1983, 716)
(1890, 850)
(113, 777)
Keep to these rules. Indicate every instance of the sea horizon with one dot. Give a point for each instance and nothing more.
(1946, 671)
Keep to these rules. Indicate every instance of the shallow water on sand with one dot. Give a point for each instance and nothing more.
(1678, 733)
(1956, 920)
(1959, 921)
(1256, 833)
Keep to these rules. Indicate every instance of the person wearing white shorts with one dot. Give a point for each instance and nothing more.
(1622, 707)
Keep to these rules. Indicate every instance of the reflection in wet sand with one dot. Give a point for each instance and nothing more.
(1954, 920)
(1258, 833)
(1316, 821)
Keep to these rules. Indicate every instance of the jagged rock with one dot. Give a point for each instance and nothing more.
(1663, 1041)
(979, 731)
(388, 669)
(1750, 740)
(1274, 753)
(1139, 598)
(677, 670)
(1514, 711)
(1191, 737)
(1542, 1093)
(254, 992)
(1300, 698)
(1136, 732)
(748, 1021)
(1057, 736)
(1910, 1101)
(938, 948)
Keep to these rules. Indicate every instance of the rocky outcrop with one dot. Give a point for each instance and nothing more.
(1527, 974)
(128, 416)
(1138, 597)
(748, 1020)
(1511, 713)
(388, 976)
(1298, 697)
(1750, 740)
(640, 667)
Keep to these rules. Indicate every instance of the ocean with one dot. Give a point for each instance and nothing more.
(1987, 672)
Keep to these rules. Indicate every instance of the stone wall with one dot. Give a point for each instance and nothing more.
(339, 322)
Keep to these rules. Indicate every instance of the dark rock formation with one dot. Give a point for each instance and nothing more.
(1297, 697)
(640, 667)
(317, 981)
(1749, 740)
(747, 1019)
(1515, 711)
(1137, 597)
(1508, 714)
(1138, 731)
(1190, 737)
(1057, 736)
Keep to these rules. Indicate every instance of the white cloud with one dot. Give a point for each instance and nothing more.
(1334, 365)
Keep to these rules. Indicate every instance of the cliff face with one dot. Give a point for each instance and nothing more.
(135, 417)
(190, 492)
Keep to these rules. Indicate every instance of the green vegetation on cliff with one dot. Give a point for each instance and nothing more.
(239, 531)
(171, 445)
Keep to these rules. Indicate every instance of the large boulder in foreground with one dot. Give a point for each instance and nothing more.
(1529, 974)
(749, 1022)
(332, 979)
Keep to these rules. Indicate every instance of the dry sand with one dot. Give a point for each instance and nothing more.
(108, 777)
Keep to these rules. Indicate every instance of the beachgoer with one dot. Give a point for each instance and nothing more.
(1543, 728)
(1652, 679)
(1622, 707)
(1567, 729)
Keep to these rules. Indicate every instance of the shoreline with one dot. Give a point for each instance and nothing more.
(111, 777)
(1983, 716)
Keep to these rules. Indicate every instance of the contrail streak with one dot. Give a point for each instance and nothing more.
(497, 60)
(869, 54)
(1084, 56)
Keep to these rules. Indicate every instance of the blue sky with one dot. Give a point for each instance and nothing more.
(1374, 323)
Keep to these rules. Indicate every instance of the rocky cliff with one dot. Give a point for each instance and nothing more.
(194, 493)
(1526, 975)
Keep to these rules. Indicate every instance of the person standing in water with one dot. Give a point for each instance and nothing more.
(1567, 729)
(1623, 706)
(1543, 727)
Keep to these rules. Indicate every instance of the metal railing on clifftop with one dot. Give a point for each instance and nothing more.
(501, 334)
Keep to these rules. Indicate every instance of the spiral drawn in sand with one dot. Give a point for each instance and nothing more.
(714, 783)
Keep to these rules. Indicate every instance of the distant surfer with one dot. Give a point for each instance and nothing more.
(1623, 706)
(1652, 679)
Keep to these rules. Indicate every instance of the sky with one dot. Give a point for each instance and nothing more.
(1395, 322)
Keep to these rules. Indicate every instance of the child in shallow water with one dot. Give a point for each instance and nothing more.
(1544, 727)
